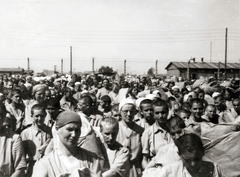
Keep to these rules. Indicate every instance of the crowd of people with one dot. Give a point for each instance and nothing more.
(132, 126)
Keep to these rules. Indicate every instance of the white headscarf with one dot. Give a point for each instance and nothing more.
(125, 101)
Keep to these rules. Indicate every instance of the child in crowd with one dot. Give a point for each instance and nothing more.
(225, 115)
(184, 114)
(115, 112)
(105, 105)
(173, 106)
(36, 137)
(210, 114)
(156, 135)
(197, 110)
(117, 155)
(146, 112)
(168, 153)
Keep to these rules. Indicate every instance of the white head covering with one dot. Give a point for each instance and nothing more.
(86, 128)
(175, 87)
(125, 101)
(77, 83)
(84, 91)
(151, 96)
(156, 92)
(185, 98)
(215, 94)
(138, 102)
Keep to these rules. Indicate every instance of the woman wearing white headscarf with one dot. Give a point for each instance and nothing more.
(129, 135)
(67, 158)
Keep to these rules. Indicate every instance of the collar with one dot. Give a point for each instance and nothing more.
(193, 121)
(125, 125)
(157, 128)
(36, 130)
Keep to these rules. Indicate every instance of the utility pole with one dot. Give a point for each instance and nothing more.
(156, 67)
(61, 65)
(239, 72)
(226, 54)
(125, 67)
(70, 60)
(28, 64)
(211, 52)
(55, 68)
(218, 74)
(93, 65)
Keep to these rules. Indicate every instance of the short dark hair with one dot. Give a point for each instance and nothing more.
(145, 101)
(53, 102)
(171, 98)
(196, 100)
(65, 90)
(173, 122)
(14, 92)
(189, 143)
(87, 99)
(37, 107)
(131, 89)
(160, 102)
(200, 91)
(106, 98)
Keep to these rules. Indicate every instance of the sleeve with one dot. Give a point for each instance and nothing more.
(28, 119)
(121, 162)
(227, 116)
(167, 154)
(145, 142)
(18, 154)
(39, 169)
(24, 140)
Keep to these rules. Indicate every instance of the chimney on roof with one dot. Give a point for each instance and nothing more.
(202, 60)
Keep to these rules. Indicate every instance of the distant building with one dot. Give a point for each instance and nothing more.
(11, 71)
(197, 69)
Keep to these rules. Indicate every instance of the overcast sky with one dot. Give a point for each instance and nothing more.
(140, 31)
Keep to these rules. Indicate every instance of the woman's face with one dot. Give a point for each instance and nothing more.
(227, 96)
(68, 94)
(40, 95)
(16, 98)
(134, 92)
(69, 134)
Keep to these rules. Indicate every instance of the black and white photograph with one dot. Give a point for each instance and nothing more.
(120, 88)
